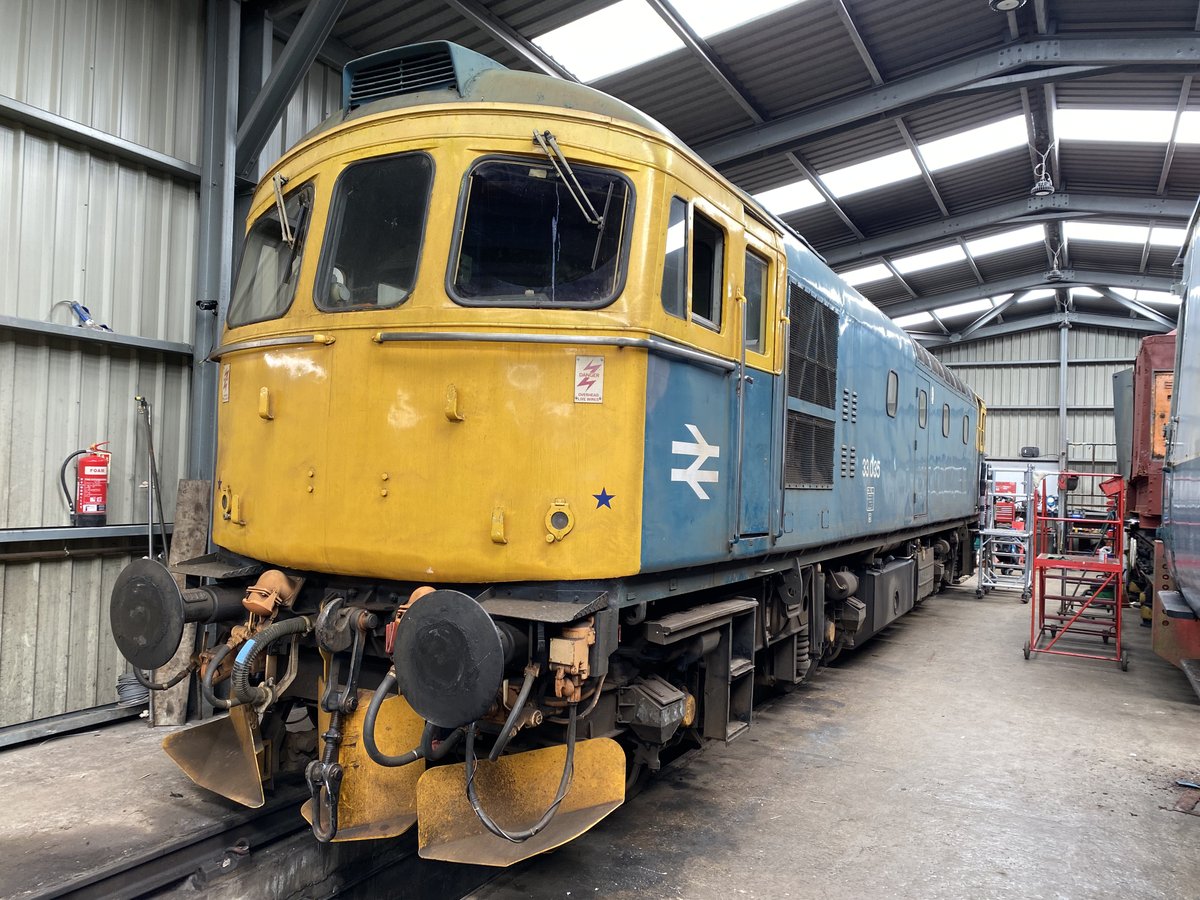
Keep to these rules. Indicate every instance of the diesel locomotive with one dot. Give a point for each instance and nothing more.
(541, 445)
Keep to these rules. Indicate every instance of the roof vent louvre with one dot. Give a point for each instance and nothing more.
(436, 65)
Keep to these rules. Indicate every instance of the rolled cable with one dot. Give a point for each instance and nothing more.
(253, 648)
(564, 785)
(510, 724)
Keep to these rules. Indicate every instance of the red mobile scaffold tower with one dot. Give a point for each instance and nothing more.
(1078, 566)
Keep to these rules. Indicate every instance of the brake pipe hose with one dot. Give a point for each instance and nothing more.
(253, 648)
(510, 724)
(206, 683)
(429, 748)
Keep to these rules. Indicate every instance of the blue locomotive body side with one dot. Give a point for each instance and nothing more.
(1181, 496)
(795, 471)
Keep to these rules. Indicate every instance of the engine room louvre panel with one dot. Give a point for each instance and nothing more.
(810, 449)
(812, 349)
(402, 76)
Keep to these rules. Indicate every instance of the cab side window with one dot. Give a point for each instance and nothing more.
(695, 246)
(922, 408)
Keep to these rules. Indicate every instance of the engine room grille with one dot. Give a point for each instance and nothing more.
(812, 349)
(809, 459)
(390, 77)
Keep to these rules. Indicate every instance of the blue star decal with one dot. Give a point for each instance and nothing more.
(604, 498)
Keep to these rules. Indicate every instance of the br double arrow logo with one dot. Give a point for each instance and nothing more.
(695, 475)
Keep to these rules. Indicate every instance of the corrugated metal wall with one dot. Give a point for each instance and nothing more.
(319, 95)
(78, 225)
(1017, 376)
(131, 68)
(56, 649)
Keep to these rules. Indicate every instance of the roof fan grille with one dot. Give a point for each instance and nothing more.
(402, 76)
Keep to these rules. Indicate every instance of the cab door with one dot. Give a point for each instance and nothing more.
(755, 386)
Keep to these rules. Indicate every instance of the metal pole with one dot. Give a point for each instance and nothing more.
(214, 262)
(1063, 332)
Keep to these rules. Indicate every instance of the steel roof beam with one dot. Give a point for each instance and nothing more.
(1016, 212)
(482, 17)
(700, 49)
(1031, 79)
(333, 53)
(994, 313)
(891, 267)
(1028, 282)
(1135, 307)
(1179, 108)
(1050, 320)
(288, 72)
(720, 73)
(895, 97)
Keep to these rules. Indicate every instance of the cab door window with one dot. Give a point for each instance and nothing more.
(674, 283)
(757, 270)
(708, 269)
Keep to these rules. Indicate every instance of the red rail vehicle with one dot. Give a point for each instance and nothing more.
(1142, 402)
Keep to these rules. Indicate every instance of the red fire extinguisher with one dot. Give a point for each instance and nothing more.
(90, 503)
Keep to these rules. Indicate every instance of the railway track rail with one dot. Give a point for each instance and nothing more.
(204, 854)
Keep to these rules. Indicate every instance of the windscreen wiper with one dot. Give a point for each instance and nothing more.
(285, 227)
(545, 140)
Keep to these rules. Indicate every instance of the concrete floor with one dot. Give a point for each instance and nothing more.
(935, 763)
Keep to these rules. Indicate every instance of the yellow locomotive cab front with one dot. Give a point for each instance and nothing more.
(374, 363)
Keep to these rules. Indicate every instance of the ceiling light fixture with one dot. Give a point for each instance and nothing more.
(1006, 5)
(1043, 184)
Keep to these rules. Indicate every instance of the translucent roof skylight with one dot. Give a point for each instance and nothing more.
(867, 274)
(974, 143)
(1085, 292)
(610, 40)
(1105, 232)
(970, 308)
(871, 174)
(1165, 298)
(1132, 125)
(709, 17)
(915, 319)
(1188, 131)
(1039, 294)
(1007, 240)
(790, 197)
(1167, 237)
(629, 33)
(929, 259)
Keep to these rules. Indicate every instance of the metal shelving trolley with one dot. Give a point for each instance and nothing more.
(1004, 535)
(1078, 563)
